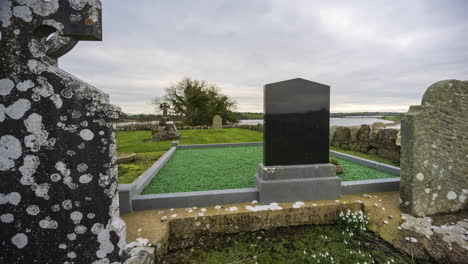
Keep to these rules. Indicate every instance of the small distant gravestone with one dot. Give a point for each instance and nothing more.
(434, 151)
(217, 122)
(296, 145)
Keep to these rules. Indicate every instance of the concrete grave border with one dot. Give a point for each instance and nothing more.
(131, 200)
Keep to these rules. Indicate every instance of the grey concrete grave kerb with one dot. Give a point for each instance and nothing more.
(370, 186)
(132, 200)
(190, 199)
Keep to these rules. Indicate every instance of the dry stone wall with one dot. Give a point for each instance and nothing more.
(137, 126)
(375, 139)
(434, 140)
(58, 190)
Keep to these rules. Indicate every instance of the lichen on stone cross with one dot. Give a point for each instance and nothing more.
(58, 195)
(434, 151)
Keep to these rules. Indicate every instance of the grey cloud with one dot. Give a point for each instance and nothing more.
(372, 53)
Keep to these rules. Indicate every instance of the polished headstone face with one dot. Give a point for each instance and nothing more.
(297, 121)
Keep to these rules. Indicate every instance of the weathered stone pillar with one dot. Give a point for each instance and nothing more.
(434, 151)
(58, 196)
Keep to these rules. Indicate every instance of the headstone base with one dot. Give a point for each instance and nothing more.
(297, 183)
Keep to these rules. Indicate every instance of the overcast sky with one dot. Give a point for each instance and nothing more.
(375, 55)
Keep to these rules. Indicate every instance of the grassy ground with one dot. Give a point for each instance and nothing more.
(140, 141)
(287, 245)
(149, 152)
(393, 118)
(252, 115)
(229, 168)
(128, 172)
(365, 156)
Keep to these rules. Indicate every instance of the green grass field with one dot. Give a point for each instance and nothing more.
(229, 168)
(140, 141)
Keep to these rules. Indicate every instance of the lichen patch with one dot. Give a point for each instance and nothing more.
(42, 8)
(10, 150)
(5, 13)
(18, 108)
(6, 85)
(23, 12)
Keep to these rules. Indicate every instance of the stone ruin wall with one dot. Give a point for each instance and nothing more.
(136, 127)
(58, 194)
(374, 139)
(434, 163)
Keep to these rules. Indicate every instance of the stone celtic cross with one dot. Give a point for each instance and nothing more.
(164, 107)
(58, 194)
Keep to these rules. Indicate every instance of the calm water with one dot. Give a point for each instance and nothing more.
(342, 121)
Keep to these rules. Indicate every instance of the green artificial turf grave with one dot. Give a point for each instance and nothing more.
(206, 169)
(357, 172)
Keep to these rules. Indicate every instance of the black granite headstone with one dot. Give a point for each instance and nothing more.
(297, 121)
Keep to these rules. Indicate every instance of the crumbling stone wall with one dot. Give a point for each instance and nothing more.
(434, 140)
(373, 139)
(58, 195)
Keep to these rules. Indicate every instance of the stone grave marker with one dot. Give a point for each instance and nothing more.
(297, 121)
(434, 151)
(164, 107)
(58, 191)
(217, 122)
(296, 151)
